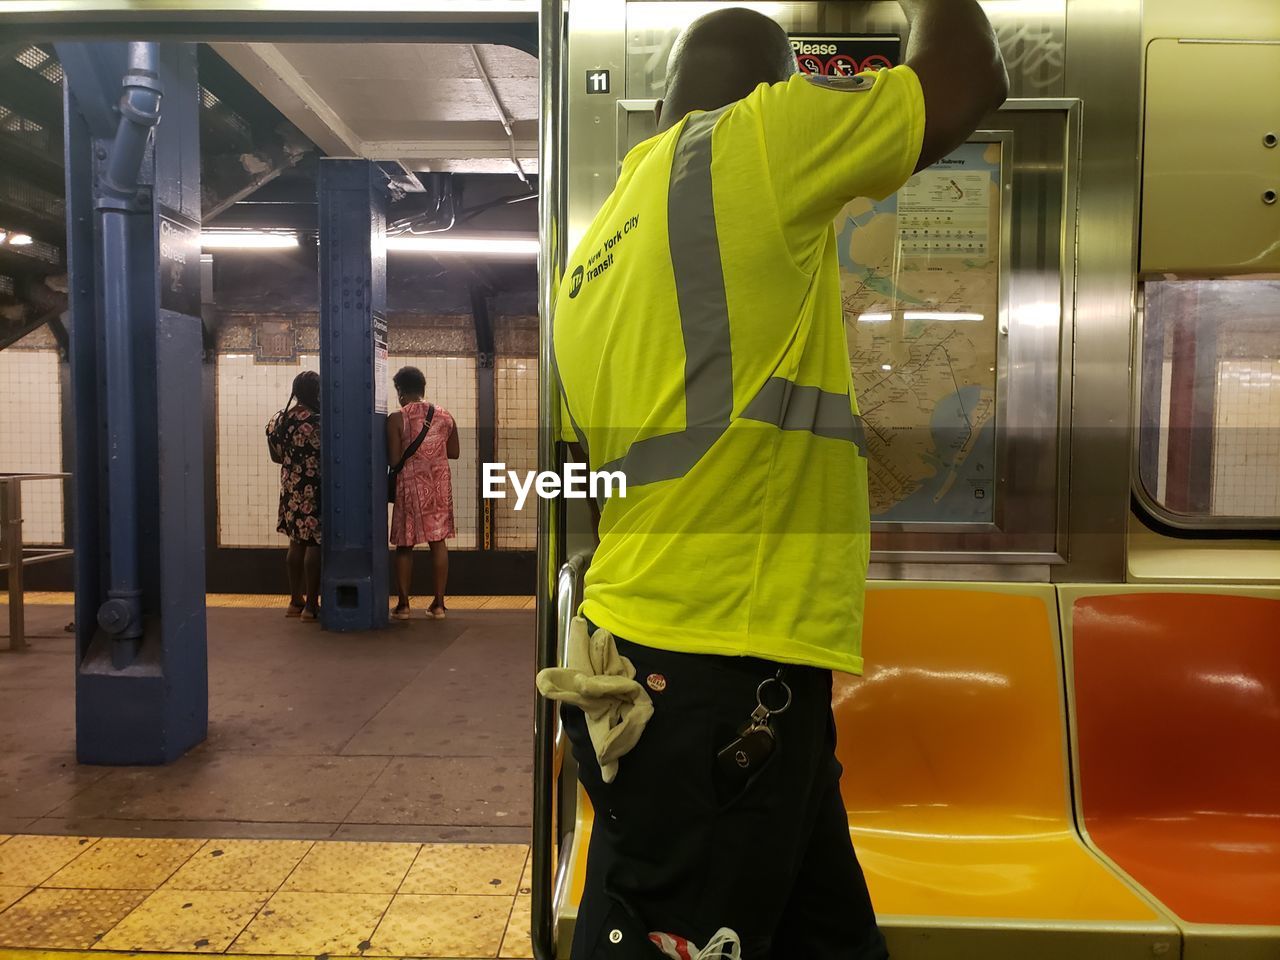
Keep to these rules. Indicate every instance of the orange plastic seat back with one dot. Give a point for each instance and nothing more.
(1177, 704)
(960, 711)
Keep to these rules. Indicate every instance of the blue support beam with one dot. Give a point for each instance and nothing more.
(353, 301)
(133, 226)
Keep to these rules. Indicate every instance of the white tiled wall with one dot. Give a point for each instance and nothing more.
(31, 437)
(1246, 456)
(248, 393)
(516, 395)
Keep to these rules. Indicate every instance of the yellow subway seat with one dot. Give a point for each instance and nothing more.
(954, 747)
(1050, 877)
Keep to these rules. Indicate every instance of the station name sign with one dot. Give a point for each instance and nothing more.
(843, 55)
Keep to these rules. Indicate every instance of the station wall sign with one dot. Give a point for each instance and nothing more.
(844, 54)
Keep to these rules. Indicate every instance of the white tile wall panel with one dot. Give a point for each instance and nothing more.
(1246, 455)
(248, 483)
(516, 395)
(31, 437)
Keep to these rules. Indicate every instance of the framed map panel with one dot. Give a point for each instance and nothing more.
(923, 277)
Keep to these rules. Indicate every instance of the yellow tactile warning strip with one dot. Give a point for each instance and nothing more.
(30, 861)
(444, 926)
(351, 867)
(204, 920)
(66, 919)
(255, 897)
(332, 923)
(250, 865)
(43, 598)
(466, 870)
(124, 864)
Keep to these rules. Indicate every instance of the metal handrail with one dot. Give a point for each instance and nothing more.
(568, 598)
(14, 554)
(550, 511)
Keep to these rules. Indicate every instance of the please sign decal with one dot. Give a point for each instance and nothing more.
(846, 54)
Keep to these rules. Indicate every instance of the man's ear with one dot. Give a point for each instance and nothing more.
(657, 113)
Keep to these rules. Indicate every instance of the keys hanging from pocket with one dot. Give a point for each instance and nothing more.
(750, 751)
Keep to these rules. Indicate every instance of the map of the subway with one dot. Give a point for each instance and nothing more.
(921, 278)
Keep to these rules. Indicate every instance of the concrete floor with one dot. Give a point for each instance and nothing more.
(422, 732)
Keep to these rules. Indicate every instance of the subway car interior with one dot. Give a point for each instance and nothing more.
(1064, 340)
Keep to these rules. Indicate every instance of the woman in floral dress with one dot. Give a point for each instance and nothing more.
(423, 510)
(295, 436)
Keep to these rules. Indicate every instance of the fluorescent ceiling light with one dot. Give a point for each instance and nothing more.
(940, 315)
(246, 240)
(874, 317)
(20, 240)
(481, 246)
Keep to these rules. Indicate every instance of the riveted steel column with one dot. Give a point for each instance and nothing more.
(353, 298)
(133, 223)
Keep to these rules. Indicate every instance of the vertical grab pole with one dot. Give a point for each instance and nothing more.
(550, 543)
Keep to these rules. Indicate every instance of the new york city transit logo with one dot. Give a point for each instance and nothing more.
(576, 283)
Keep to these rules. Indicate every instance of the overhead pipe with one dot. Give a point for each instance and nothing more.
(503, 117)
(121, 615)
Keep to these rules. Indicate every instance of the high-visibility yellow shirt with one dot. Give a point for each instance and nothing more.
(701, 350)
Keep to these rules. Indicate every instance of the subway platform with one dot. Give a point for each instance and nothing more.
(358, 794)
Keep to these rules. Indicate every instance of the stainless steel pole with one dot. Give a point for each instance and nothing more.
(550, 543)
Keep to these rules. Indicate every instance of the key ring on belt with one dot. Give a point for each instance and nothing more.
(786, 704)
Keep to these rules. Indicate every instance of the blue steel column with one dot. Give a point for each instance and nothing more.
(133, 221)
(353, 288)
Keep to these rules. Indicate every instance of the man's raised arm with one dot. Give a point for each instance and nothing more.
(953, 51)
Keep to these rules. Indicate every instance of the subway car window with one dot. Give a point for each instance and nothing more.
(1209, 426)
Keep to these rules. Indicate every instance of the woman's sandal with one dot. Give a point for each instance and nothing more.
(293, 612)
(400, 613)
(309, 614)
(437, 611)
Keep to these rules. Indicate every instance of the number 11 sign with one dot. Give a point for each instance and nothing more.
(597, 81)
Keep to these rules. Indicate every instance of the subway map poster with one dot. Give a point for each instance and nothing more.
(920, 276)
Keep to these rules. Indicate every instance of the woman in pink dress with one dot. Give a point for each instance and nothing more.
(423, 511)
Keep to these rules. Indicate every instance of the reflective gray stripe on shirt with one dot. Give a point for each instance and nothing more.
(577, 430)
(789, 406)
(704, 315)
(704, 326)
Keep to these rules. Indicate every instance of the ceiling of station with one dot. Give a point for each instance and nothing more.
(429, 106)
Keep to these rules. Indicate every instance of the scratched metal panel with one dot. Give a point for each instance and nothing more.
(1032, 36)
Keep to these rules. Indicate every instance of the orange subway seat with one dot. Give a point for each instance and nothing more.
(954, 749)
(1177, 700)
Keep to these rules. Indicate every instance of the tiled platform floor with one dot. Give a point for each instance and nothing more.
(419, 733)
(277, 897)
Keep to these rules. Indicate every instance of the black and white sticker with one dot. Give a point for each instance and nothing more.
(858, 84)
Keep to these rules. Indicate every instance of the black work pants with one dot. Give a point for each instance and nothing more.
(680, 848)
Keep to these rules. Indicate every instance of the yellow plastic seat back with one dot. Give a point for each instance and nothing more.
(958, 722)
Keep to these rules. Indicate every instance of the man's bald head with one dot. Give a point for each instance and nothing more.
(721, 58)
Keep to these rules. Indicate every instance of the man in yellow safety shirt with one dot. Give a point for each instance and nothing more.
(701, 350)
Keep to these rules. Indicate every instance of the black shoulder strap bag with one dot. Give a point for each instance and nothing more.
(393, 472)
